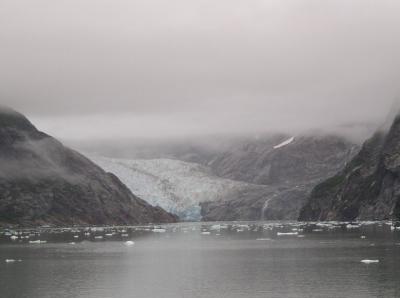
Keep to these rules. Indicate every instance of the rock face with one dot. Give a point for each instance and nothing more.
(285, 168)
(367, 189)
(43, 182)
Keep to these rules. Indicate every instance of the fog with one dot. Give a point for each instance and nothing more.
(96, 69)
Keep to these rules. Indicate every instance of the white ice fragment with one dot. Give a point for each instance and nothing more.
(287, 142)
(10, 261)
(37, 242)
(159, 230)
(13, 237)
(370, 261)
(287, 234)
(205, 233)
(215, 227)
(129, 243)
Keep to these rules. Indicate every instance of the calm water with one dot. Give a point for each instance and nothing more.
(198, 260)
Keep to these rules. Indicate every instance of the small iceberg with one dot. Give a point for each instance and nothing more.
(159, 230)
(352, 226)
(12, 261)
(205, 233)
(129, 243)
(287, 234)
(37, 242)
(370, 261)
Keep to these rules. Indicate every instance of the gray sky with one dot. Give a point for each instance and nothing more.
(160, 68)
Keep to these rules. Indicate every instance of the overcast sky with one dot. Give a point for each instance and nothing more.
(159, 68)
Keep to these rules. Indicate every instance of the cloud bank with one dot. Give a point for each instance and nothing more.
(153, 68)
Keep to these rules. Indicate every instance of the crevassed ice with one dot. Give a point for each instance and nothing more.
(174, 185)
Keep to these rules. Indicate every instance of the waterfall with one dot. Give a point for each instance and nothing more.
(264, 208)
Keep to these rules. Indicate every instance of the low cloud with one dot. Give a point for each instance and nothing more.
(97, 69)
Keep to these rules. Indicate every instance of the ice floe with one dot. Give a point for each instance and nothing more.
(370, 261)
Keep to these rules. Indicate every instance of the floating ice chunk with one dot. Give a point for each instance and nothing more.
(363, 237)
(205, 233)
(124, 235)
(76, 236)
(109, 235)
(129, 243)
(72, 243)
(13, 237)
(98, 237)
(37, 242)
(370, 261)
(159, 230)
(287, 234)
(215, 227)
(287, 142)
(352, 226)
(10, 261)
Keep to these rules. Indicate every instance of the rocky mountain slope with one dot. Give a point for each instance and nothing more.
(174, 185)
(367, 189)
(288, 168)
(43, 182)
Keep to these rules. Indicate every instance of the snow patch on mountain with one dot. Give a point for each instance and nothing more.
(285, 143)
(174, 185)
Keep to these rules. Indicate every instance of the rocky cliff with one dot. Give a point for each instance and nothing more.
(286, 169)
(367, 189)
(43, 182)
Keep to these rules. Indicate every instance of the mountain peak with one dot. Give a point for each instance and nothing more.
(10, 118)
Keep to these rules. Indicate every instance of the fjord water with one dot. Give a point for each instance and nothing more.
(203, 260)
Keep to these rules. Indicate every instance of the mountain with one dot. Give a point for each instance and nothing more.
(174, 185)
(367, 189)
(43, 182)
(287, 167)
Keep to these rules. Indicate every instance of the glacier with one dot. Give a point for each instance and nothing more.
(174, 185)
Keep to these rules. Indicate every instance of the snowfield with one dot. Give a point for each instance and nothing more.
(174, 185)
(285, 143)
